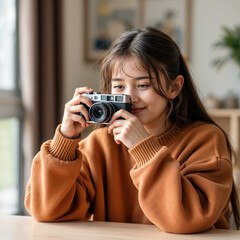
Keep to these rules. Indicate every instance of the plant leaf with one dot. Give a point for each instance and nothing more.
(230, 40)
(219, 62)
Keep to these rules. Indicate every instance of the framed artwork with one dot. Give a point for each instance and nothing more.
(172, 17)
(105, 20)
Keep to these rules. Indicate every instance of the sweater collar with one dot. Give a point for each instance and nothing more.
(167, 137)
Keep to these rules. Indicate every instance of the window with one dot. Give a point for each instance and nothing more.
(10, 111)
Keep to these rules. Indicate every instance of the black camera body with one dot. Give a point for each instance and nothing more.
(105, 105)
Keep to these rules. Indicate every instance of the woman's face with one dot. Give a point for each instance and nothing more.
(149, 107)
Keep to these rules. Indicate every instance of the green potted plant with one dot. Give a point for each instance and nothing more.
(230, 40)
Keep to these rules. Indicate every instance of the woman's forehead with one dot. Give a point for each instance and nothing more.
(122, 65)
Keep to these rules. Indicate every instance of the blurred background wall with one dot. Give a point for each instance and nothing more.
(207, 19)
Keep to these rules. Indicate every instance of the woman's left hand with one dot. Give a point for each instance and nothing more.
(129, 130)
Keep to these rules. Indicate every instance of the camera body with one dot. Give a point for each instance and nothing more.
(105, 105)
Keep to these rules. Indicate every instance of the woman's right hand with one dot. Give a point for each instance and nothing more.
(73, 123)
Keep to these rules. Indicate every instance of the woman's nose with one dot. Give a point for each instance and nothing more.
(134, 96)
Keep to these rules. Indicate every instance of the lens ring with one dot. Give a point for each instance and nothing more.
(101, 112)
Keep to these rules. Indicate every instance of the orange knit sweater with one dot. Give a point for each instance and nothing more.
(180, 181)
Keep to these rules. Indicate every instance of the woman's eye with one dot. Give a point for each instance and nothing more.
(143, 85)
(119, 87)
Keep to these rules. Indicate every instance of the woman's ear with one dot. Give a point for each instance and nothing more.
(176, 87)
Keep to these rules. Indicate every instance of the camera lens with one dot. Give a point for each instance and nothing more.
(101, 112)
(98, 112)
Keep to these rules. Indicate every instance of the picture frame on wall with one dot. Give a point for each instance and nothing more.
(172, 17)
(105, 20)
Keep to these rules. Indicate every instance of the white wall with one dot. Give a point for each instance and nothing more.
(76, 73)
(208, 16)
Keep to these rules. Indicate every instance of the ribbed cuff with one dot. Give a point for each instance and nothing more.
(63, 148)
(144, 151)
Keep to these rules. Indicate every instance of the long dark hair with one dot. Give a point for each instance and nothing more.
(157, 51)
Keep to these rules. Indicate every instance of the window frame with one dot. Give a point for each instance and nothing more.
(11, 107)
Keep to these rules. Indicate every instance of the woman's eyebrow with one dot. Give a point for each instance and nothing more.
(136, 78)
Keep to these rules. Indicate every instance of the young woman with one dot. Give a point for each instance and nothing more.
(166, 163)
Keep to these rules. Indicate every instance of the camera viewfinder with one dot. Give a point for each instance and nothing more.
(119, 98)
(104, 98)
(110, 98)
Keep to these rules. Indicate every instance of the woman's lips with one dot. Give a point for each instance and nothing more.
(137, 110)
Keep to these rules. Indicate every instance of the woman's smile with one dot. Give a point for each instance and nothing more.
(136, 110)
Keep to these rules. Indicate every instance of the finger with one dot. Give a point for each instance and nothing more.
(116, 123)
(121, 113)
(82, 90)
(80, 109)
(116, 139)
(86, 101)
(79, 119)
(74, 101)
(80, 99)
(117, 131)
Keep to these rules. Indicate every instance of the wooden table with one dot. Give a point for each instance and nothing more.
(26, 228)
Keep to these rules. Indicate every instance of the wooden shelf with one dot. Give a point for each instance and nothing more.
(224, 112)
(229, 120)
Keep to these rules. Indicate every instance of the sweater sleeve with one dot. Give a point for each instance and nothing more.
(185, 193)
(60, 186)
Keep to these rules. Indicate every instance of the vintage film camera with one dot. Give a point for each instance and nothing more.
(105, 105)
